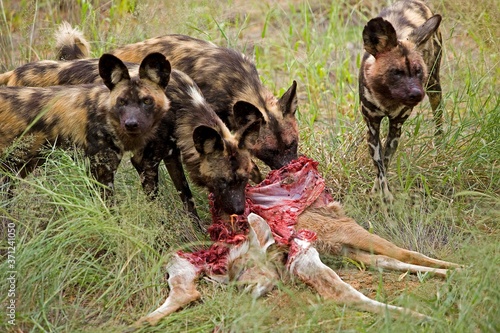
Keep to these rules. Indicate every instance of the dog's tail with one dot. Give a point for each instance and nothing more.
(5, 78)
(71, 43)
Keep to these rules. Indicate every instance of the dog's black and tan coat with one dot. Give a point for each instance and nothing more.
(227, 77)
(401, 63)
(215, 157)
(104, 120)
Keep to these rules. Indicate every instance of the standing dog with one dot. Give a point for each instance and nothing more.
(103, 120)
(214, 157)
(226, 77)
(402, 58)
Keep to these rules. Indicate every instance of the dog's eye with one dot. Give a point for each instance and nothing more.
(121, 102)
(147, 101)
(419, 71)
(397, 72)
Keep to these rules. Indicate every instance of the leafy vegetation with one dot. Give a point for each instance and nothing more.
(84, 266)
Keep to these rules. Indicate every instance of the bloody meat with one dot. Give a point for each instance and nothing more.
(279, 199)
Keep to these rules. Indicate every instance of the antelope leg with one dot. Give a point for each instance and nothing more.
(181, 280)
(376, 260)
(305, 263)
(334, 228)
(372, 243)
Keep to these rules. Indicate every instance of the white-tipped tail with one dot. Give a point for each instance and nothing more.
(71, 43)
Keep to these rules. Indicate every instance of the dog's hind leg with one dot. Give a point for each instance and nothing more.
(181, 280)
(305, 263)
(433, 88)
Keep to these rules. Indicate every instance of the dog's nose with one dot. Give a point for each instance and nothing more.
(239, 210)
(416, 95)
(131, 124)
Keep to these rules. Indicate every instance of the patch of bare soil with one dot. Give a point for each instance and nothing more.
(373, 283)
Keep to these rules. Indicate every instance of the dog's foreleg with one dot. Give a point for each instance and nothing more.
(181, 280)
(305, 263)
(393, 136)
(147, 166)
(103, 166)
(176, 172)
(377, 154)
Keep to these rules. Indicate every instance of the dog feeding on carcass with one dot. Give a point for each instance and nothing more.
(286, 215)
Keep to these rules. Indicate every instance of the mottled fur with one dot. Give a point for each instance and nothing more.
(214, 157)
(226, 77)
(402, 59)
(103, 120)
(46, 73)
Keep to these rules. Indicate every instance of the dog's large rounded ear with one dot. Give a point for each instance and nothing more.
(248, 135)
(155, 67)
(288, 102)
(245, 113)
(207, 140)
(379, 36)
(112, 70)
(422, 34)
(255, 174)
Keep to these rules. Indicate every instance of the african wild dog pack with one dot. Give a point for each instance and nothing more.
(215, 157)
(402, 58)
(210, 114)
(401, 63)
(226, 77)
(103, 120)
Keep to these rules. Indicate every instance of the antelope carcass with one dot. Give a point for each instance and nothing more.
(292, 211)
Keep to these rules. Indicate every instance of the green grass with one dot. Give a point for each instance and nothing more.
(84, 266)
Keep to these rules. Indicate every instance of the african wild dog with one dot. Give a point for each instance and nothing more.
(226, 77)
(402, 58)
(103, 120)
(214, 157)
